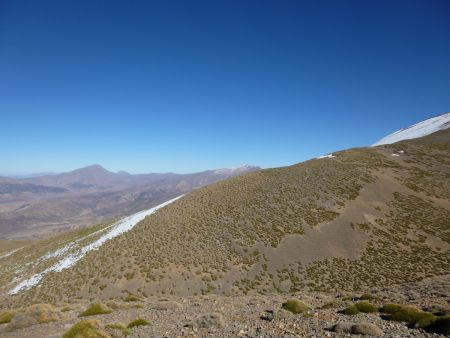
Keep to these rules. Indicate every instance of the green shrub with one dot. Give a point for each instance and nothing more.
(96, 309)
(426, 320)
(86, 329)
(366, 307)
(441, 325)
(120, 327)
(138, 322)
(408, 314)
(295, 306)
(351, 310)
(356, 308)
(5, 317)
(390, 308)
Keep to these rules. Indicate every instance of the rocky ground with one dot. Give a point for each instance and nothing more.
(247, 316)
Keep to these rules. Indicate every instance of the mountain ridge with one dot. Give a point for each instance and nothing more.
(420, 129)
(363, 218)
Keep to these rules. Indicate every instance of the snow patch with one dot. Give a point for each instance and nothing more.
(10, 253)
(420, 129)
(117, 229)
(326, 156)
(63, 250)
(242, 168)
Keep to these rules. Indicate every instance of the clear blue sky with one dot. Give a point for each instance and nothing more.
(182, 86)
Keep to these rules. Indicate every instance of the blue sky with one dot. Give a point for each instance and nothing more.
(182, 86)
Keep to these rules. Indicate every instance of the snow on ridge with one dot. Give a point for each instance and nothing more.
(117, 229)
(420, 129)
(10, 253)
(64, 249)
(234, 169)
(326, 156)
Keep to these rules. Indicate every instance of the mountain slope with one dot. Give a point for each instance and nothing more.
(42, 205)
(363, 218)
(420, 129)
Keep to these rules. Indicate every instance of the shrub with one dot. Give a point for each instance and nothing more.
(132, 298)
(117, 326)
(86, 329)
(295, 306)
(351, 310)
(138, 322)
(441, 325)
(366, 307)
(5, 317)
(356, 308)
(408, 314)
(96, 309)
(35, 314)
(390, 308)
(426, 320)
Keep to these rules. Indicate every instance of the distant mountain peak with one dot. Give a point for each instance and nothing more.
(123, 173)
(93, 167)
(417, 130)
(238, 169)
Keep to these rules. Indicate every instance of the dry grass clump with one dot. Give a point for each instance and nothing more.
(132, 298)
(364, 307)
(96, 309)
(35, 314)
(295, 306)
(138, 322)
(6, 316)
(417, 318)
(86, 329)
(119, 327)
(408, 314)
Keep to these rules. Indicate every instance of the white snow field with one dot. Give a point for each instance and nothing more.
(420, 129)
(115, 230)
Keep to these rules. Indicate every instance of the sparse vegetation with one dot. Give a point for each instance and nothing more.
(408, 314)
(86, 329)
(441, 325)
(96, 309)
(35, 314)
(138, 322)
(5, 317)
(364, 307)
(295, 306)
(132, 298)
(120, 327)
(224, 230)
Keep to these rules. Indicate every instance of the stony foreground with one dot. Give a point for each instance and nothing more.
(246, 316)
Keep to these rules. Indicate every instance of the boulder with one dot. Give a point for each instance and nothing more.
(367, 329)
